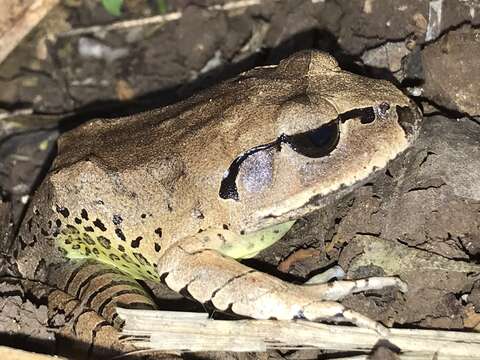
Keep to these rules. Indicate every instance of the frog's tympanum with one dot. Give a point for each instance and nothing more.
(176, 194)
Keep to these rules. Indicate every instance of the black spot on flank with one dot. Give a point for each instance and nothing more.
(143, 216)
(84, 214)
(58, 223)
(158, 231)
(99, 225)
(87, 251)
(117, 219)
(141, 259)
(63, 211)
(225, 227)
(127, 258)
(88, 239)
(114, 257)
(157, 247)
(169, 208)
(72, 229)
(29, 224)
(36, 212)
(121, 248)
(76, 247)
(242, 232)
(77, 221)
(44, 232)
(68, 241)
(88, 228)
(62, 251)
(95, 251)
(104, 242)
(50, 223)
(120, 234)
(100, 202)
(136, 243)
(276, 231)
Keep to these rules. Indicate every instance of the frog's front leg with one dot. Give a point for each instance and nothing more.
(194, 264)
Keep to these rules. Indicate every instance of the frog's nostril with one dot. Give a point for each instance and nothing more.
(383, 108)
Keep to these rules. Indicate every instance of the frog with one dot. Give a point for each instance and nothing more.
(180, 194)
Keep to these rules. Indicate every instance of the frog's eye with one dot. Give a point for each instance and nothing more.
(315, 143)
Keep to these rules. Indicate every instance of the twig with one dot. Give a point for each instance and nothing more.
(15, 113)
(176, 331)
(158, 19)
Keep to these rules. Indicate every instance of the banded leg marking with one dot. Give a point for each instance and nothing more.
(101, 288)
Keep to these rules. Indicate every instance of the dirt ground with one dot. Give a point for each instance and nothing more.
(419, 219)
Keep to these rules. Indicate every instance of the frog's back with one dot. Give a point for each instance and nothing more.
(98, 201)
(122, 190)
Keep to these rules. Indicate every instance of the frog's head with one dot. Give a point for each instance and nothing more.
(329, 135)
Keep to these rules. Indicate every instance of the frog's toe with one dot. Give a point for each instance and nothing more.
(337, 290)
(330, 310)
(335, 272)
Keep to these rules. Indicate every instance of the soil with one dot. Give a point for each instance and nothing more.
(425, 205)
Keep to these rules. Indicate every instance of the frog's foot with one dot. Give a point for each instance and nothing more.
(210, 277)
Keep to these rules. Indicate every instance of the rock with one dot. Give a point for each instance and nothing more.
(388, 56)
(452, 71)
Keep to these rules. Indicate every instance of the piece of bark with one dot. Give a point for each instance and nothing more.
(17, 19)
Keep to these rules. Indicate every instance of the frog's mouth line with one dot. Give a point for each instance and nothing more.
(315, 143)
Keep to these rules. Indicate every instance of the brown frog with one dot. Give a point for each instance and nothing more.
(176, 194)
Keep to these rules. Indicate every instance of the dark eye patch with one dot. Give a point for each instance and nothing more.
(228, 188)
(366, 115)
(315, 143)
